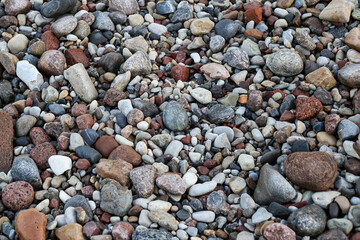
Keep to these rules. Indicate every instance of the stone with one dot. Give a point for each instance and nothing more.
(164, 219)
(37, 48)
(29, 74)
(18, 43)
(126, 153)
(219, 113)
(315, 171)
(79, 201)
(17, 195)
(216, 202)
(76, 55)
(237, 184)
(64, 25)
(237, 58)
(322, 77)
(52, 62)
(59, 164)
(180, 72)
(56, 8)
(174, 148)
(284, 3)
(6, 142)
(201, 26)
(89, 153)
(143, 180)
(353, 215)
(285, 63)
(103, 22)
(105, 145)
(217, 43)
(172, 183)
(118, 170)
(82, 29)
(333, 234)
(111, 62)
(349, 75)
(183, 13)
(81, 82)
(352, 37)
(336, 11)
(279, 231)
(71, 231)
(202, 188)
(260, 215)
(115, 199)
(215, 71)
(347, 130)
(308, 221)
(41, 153)
(165, 7)
(250, 47)
(126, 6)
(255, 100)
(31, 224)
(273, 187)
(304, 39)
(8, 61)
(323, 199)
(227, 28)
(122, 231)
(142, 233)
(17, 7)
(138, 64)
(254, 14)
(25, 169)
(24, 124)
(157, 28)
(148, 109)
(204, 216)
(175, 117)
(50, 40)
(307, 107)
(201, 95)
(340, 223)
(136, 44)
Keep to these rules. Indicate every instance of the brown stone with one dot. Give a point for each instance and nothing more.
(143, 179)
(284, 3)
(254, 14)
(171, 182)
(122, 231)
(8, 61)
(7, 21)
(255, 100)
(113, 96)
(38, 136)
(331, 123)
(255, 33)
(76, 55)
(17, 195)
(37, 48)
(335, 234)
(78, 109)
(126, 153)
(352, 39)
(287, 116)
(180, 72)
(6, 142)
(356, 236)
(52, 62)
(356, 102)
(105, 145)
(41, 153)
(279, 231)
(118, 170)
(322, 77)
(31, 225)
(90, 229)
(71, 231)
(83, 164)
(282, 134)
(50, 40)
(352, 165)
(307, 107)
(53, 129)
(314, 171)
(135, 116)
(63, 141)
(84, 121)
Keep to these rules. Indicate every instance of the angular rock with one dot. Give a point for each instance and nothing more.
(126, 153)
(321, 77)
(237, 58)
(8, 61)
(307, 107)
(172, 183)
(70, 231)
(118, 170)
(336, 11)
(349, 75)
(143, 179)
(31, 224)
(138, 64)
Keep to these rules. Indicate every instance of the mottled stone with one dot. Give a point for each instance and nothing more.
(307, 107)
(171, 182)
(321, 77)
(285, 63)
(115, 169)
(6, 142)
(143, 179)
(279, 231)
(17, 195)
(126, 153)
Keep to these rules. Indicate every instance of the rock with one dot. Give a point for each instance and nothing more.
(250, 47)
(8, 61)
(122, 231)
(76, 55)
(70, 231)
(17, 7)
(333, 234)
(237, 58)
(111, 62)
(340, 223)
(115, 199)
(164, 219)
(6, 142)
(315, 171)
(56, 8)
(149, 109)
(237, 184)
(172, 183)
(215, 71)
(254, 14)
(273, 187)
(352, 37)
(175, 117)
(41, 153)
(255, 100)
(180, 72)
(52, 62)
(183, 13)
(79, 201)
(64, 25)
(202, 188)
(217, 43)
(347, 130)
(216, 202)
(50, 40)
(201, 26)
(143, 179)
(204, 216)
(304, 39)
(353, 215)
(336, 11)
(118, 170)
(324, 96)
(279, 231)
(24, 124)
(17, 195)
(349, 75)
(127, 154)
(60, 164)
(6, 94)
(201, 95)
(142, 233)
(285, 63)
(307, 107)
(29, 74)
(331, 123)
(89, 153)
(31, 224)
(82, 29)
(103, 22)
(157, 28)
(322, 77)
(81, 82)
(174, 148)
(227, 28)
(165, 7)
(105, 145)
(138, 64)
(137, 44)
(260, 215)
(25, 169)
(126, 6)
(323, 199)
(219, 114)
(18, 43)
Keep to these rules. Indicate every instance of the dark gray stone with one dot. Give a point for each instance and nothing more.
(25, 169)
(57, 109)
(89, 153)
(56, 8)
(142, 233)
(175, 117)
(288, 103)
(149, 109)
(165, 7)
(182, 14)
(347, 130)
(79, 201)
(89, 135)
(6, 92)
(237, 58)
(227, 28)
(300, 146)
(270, 157)
(219, 113)
(279, 210)
(118, 17)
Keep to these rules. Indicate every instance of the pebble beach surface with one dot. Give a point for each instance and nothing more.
(179, 119)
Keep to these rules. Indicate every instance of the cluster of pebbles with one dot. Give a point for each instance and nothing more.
(179, 119)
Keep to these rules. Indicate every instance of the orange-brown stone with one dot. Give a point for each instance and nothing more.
(118, 170)
(127, 154)
(105, 145)
(307, 107)
(71, 231)
(31, 225)
(6, 142)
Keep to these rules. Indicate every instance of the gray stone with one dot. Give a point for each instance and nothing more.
(142, 233)
(349, 75)
(347, 130)
(223, 129)
(285, 63)
(24, 124)
(103, 22)
(227, 28)
(219, 113)
(56, 8)
(79, 201)
(25, 169)
(138, 64)
(175, 117)
(165, 7)
(354, 215)
(64, 25)
(237, 58)
(126, 6)
(183, 13)
(149, 109)
(217, 43)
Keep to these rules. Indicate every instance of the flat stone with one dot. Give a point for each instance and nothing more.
(118, 170)
(201, 95)
(201, 26)
(18, 43)
(307, 107)
(164, 219)
(70, 231)
(64, 25)
(137, 44)
(89, 153)
(215, 71)
(202, 188)
(204, 216)
(322, 77)
(127, 154)
(219, 113)
(175, 117)
(8, 61)
(172, 183)
(31, 224)
(17, 7)
(285, 63)
(336, 11)
(347, 130)
(56, 8)
(126, 6)
(142, 233)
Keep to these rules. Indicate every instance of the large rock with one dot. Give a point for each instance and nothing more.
(171, 182)
(6, 142)
(52, 62)
(115, 169)
(307, 107)
(56, 8)
(17, 195)
(175, 117)
(336, 11)
(285, 63)
(81, 82)
(126, 6)
(321, 77)
(17, 7)
(308, 221)
(25, 169)
(273, 187)
(138, 64)
(314, 171)
(64, 25)
(352, 38)
(143, 179)
(126, 153)
(29, 74)
(8, 61)
(349, 75)
(115, 199)
(31, 224)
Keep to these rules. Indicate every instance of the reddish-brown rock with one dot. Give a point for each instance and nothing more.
(17, 195)
(122, 231)
(63, 141)
(127, 154)
(287, 116)
(50, 40)
(279, 231)
(180, 72)
(52, 62)
(331, 123)
(254, 14)
(255, 100)
(6, 142)
(83, 164)
(76, 55)
(31, 225)
(255, 33)
(91, 229)
(356, 236)
(118, 170)
(78, 109)
(105, 145)
(41, 153)
(307, 107)
(84, 121)
(7, 21)
(314, 171)
(38, 136)
(113, 96)
(335, 234)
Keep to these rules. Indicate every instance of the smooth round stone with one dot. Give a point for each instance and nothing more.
(260, 215)
(18, 43)
(57, 7)
(323, 199)
(175, 117)
(64, 26)
(285, 63)
(204, 216)
(202, 188)
(60, 164)
(57, 109)
(340, 223)
(246, 162)
(349, 75)
(201, 95)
